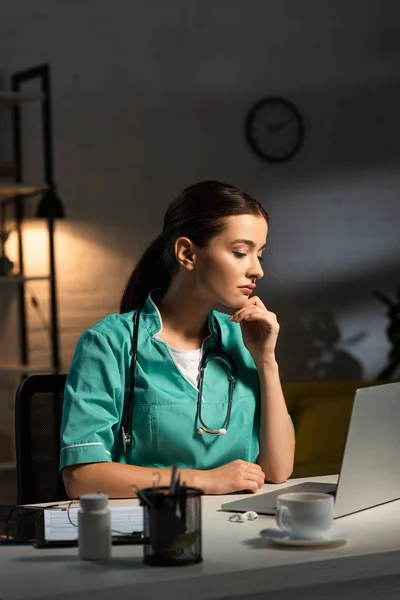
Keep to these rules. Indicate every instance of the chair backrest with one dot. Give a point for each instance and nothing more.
(38, 410)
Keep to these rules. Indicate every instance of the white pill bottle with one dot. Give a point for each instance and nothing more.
(94, 527)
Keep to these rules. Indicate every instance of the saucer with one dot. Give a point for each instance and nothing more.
(278, 536)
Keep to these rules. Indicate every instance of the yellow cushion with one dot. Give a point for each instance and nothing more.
(321, 413)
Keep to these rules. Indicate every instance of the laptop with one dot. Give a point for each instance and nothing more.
(370, 470)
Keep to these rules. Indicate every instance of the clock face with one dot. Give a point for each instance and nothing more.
(274, 129)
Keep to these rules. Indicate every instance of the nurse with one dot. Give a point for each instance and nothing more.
(209, 252)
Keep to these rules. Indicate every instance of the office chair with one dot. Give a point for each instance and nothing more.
(38, 409)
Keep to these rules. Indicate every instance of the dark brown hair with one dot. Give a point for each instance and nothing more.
(198, 213)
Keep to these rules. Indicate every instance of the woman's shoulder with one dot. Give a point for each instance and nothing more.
(114, 327)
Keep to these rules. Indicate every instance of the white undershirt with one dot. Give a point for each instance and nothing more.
(188, 362)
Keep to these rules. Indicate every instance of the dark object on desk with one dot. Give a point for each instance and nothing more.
(172, 525)
(17, 524)
(38, 410)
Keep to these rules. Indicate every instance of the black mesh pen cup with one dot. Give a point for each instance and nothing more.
(171, 526)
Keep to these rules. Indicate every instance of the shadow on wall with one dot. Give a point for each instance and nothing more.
(310, 344)
(317, 354)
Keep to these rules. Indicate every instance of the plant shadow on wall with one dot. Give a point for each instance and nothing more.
(392, 369)
(319, 352)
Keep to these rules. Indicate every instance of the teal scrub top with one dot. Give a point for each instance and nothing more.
(165, 421)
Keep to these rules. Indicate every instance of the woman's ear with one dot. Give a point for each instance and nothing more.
(185, 253)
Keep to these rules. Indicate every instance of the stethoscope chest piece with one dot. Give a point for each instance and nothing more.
(202, 431)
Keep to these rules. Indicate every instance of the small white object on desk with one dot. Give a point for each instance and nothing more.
(250, 515)
(94, 527)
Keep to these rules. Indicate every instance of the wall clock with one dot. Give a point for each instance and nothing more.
(274, 129)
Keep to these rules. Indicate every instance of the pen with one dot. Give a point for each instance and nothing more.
(172, 486)
(176, 491)
(182, 501)
(173, 476)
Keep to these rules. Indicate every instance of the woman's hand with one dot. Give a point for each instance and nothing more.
(260, 329)
(234, 477)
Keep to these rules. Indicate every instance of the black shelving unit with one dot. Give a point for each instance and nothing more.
(15, 195)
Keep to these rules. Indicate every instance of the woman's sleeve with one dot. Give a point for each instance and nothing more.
(93, 400)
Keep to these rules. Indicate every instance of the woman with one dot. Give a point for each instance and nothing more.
(210, 251)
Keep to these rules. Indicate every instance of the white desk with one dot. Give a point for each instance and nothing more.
(238, 563)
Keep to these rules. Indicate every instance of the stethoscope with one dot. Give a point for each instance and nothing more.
(218, 355)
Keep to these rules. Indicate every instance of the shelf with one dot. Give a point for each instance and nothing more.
(20, 189)
(8, 466)
(7, 168)
(19, 278)
(18, 368)
(8, 98)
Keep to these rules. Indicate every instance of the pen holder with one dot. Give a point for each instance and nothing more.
(171, 526)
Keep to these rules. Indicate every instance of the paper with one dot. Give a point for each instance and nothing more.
(124, 521)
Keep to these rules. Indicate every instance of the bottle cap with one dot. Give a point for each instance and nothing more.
(93, 501)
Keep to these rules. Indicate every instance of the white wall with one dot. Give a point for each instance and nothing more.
(151, 97)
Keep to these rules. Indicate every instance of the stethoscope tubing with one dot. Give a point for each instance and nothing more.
(220, 355)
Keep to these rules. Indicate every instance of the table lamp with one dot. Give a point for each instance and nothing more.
(50, 206)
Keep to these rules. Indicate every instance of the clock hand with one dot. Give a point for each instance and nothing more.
(279, 126)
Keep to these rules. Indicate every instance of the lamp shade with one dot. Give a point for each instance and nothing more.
(50, 206)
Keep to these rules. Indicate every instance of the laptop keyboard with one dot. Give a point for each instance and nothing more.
(266, 503)
(328, 491)
(308, 487)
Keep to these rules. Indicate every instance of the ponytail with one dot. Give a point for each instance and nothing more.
(150, 272)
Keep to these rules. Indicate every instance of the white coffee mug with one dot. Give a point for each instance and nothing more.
(305, 515)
